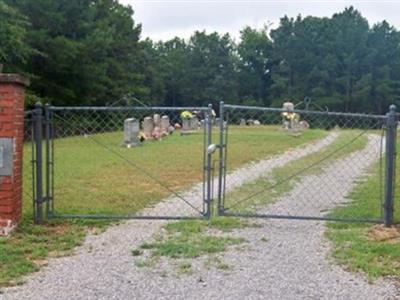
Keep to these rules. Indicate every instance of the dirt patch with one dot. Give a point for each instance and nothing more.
(380, 233)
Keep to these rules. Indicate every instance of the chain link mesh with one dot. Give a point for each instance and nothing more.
(27, 163)
(122, 161)
(303, 164)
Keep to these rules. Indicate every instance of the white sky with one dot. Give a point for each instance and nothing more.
(164, 19)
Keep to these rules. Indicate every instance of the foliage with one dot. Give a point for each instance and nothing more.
(90, 53)
(14, 50)
(85, 51)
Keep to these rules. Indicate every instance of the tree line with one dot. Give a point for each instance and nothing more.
(89, 52)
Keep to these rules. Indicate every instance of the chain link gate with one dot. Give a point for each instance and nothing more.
(333, 154)
(303, 164)
(83, 169)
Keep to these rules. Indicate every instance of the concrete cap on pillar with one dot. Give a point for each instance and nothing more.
(14, 78)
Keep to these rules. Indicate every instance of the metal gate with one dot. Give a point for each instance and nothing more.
(84, 167)
(302, 164)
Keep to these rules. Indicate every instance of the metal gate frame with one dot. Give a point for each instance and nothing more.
(43, 163)
(390, 120)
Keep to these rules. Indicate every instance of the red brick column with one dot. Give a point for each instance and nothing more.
(12, 94)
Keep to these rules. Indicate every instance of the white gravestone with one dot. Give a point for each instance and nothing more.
(131, 132)
(194, 123)
(148, 127)
(186, 126)
(288, 106)
(157, 120)
(165, 125)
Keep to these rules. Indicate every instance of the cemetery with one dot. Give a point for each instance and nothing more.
(173, 150)
(146, 165)
(157, 127)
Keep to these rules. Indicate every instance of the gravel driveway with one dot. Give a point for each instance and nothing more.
(283, 259)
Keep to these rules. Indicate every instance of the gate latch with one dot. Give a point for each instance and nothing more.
(211, 148)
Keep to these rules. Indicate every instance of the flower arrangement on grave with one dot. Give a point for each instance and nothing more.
(186, 115)
(141, 137)
(290, 120)
(289, 116)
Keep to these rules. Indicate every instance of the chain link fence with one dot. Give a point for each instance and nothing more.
(29, 194)
(120, 162)
(159, 162)
(305, 164)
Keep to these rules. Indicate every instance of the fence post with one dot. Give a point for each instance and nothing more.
(208, 163)
(221, 156)
(47, 156)
(38, 137)
(391, 128)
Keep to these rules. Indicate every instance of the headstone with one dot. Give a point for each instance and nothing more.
(171, 129)
(165, 124)
(304, 125)
(286, 124)
(148, 127)
(242, 122)
(131, 132)
(157, 120)
(288, 106)
(250, 122)
(256, 122)
(186, 125)
(290, 120)
(194, 123)
(294, 123)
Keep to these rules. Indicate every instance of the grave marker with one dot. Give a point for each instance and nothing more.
(148, 127)
(131, 132)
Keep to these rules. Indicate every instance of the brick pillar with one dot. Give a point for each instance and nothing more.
(12, 94)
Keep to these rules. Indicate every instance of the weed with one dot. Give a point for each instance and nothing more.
(136, 252)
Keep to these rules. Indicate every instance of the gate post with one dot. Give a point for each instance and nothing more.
(48, 136)
(38, 138)
(390, 170)
(221, 157)
(208, 163)
(12, 94)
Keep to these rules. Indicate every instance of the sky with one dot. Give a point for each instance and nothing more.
(165, 19)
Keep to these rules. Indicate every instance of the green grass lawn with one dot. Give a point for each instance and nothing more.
(266, 189)
(369, 248)
(90, 179)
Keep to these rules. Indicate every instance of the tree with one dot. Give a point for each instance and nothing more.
(173, 67)
(14, 49)
(350, 46)
(210, 73)
(255, 63)
(86, 51)
(381, 85)
(89, 52)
